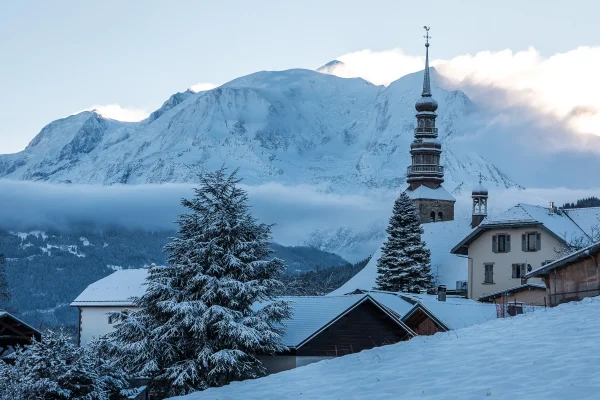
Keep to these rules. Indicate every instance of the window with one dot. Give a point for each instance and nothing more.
(489, 273)
(432, 216)
(501, 243)
(440, 215)
(531, 241)
(519, 271)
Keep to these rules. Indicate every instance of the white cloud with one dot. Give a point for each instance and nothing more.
(565, 85)
(115, 111)
(202, 86)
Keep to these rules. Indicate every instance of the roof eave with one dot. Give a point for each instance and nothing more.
(565, 261)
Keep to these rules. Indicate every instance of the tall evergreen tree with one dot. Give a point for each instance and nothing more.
(404, 264)
(206, 316)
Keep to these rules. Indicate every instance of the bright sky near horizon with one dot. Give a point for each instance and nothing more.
(57, 58)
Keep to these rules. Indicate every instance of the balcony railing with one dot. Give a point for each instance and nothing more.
(426, 168)
(426, 131)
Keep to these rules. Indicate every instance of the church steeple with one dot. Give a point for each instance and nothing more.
(426, 149)
(426, 79)
(425, 175)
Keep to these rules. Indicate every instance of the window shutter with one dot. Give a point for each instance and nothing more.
(524, 242)
(523, 270)
(507, 243)
(538, 244)
(514, 270)
(495, 243)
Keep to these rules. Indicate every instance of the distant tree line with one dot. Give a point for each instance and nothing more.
(583, 203)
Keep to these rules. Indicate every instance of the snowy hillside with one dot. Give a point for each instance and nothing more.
(543, 355)
(293, 127)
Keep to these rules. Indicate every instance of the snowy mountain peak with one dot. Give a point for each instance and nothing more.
(294, 127)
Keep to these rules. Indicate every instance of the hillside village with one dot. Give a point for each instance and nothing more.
(439, 288)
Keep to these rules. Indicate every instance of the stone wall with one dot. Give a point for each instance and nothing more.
(426, 206)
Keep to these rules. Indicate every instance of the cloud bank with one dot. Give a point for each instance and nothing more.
(119, 113)
(564, 85)
(202, 86)
(297, 211)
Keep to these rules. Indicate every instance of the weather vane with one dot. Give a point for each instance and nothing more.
(427, 37)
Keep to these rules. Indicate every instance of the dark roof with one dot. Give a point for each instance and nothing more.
(516, 289)
(565, 261)
(13, 331)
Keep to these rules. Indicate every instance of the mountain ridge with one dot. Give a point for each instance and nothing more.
(294, 127)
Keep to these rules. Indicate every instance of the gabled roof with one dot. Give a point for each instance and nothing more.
(116, 289)
(311, 315)
(13, 331)
(565, 261)
(515, 289)
(565, 225)
(455, 312)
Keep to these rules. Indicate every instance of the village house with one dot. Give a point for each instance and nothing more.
(573, 277)
(14, 332)
(503, 250)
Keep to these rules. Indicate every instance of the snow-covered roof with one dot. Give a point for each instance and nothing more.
(117, 289)
(520, 288)
(564, 224)
(425, 192)
(439, 238)
(566, 260)
(456, 312)
(588, 219)
(312, 314)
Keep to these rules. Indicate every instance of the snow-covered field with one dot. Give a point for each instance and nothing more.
(549, 354)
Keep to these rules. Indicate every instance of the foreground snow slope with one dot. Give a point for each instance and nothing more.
(549, 354)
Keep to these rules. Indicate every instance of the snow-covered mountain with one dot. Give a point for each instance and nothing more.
(293, 127)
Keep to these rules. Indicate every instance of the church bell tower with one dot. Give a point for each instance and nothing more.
(425, 175)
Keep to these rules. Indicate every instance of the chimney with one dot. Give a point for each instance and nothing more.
(551, 207)
(441, 293)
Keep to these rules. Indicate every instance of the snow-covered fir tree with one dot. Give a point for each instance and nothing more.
(405, 263)
(206, 316)
(57, 369)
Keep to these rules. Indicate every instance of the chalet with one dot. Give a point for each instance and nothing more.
(504, 249)
(572, 277)
(14, 332)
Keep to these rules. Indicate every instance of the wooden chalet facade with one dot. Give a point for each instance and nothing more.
(352, 324)
(14, 332)
(572, 278)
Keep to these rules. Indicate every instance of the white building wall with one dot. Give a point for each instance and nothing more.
(93, 322)
(480, 253)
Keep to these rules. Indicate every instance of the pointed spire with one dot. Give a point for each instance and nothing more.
(426, 79)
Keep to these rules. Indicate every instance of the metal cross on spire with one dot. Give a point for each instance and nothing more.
(427, 37)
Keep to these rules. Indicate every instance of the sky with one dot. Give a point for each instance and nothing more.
(128, 57)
